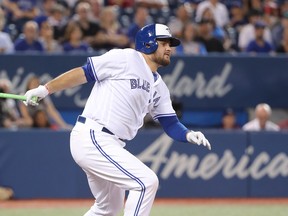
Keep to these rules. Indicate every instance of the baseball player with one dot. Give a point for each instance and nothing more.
(127, 87)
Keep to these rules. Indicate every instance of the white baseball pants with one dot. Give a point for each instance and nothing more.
(111, 170)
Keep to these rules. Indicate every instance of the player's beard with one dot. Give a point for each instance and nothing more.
(161, 60)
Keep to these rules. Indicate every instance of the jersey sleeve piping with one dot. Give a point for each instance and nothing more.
(164, 115)
(93, 69)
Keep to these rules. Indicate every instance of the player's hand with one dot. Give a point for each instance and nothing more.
(33, 96)
(196, 137)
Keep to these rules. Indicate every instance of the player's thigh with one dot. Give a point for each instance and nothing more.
(104, 157)
(80, 143)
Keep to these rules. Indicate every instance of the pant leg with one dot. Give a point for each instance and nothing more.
(107, 163)
(109, 199)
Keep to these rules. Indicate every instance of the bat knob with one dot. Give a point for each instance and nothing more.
(35, 99)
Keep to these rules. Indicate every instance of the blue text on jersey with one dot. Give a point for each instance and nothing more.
(140, 84)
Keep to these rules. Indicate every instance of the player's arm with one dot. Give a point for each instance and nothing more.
(176, 130)
(74, 77)
(173, 128)
(69, 79)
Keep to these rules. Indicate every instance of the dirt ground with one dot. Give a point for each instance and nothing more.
(47, 203)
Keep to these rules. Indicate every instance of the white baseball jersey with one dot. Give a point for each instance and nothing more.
(254, 125)
(124, 92)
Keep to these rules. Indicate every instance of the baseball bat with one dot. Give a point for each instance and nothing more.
(15, 96)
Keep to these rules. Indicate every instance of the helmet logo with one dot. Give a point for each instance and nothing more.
(146, 38)
(168, 30)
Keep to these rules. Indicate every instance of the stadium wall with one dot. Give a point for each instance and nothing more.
(38, 164)
(202, 84)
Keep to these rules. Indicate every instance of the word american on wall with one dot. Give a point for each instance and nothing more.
(208, 166)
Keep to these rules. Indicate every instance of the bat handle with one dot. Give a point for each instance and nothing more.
(35, 99)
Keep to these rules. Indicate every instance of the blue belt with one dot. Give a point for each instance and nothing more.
(82, 120)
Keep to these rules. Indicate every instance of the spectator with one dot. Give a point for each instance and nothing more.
(46, 7)
(230, 3)
(259, 44)
(237, 15)
(46, 105)
(283, 47)
(6, 44)
(141, 18)
(183, 16)
(96, 8)
(71, 3)
(89, 28)
(261, 122)
(283, 6)
(278, 29)
(188, 44)
(114, 36)
(152, 4)
(229, 120)
(205, 36)
(50, 45)
(58, 20)
(121, 3)
(271, 13)
(217, 31)
(73, 40)
(247, 32)
(193, 4)
(237, 21)
(41, 120)
(218, 9)
(9, 115)
(283, 125)
(29, 42)
(20, 11)
(67, 10)
(256, 5)
(6, 193)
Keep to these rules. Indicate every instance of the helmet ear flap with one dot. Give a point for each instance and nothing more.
(150, 47)
(145, 40)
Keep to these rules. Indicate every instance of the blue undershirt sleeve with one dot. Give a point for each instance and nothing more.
(174, 128)
(88, 72)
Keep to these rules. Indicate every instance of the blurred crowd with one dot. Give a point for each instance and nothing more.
(14, 114)
(203, 26)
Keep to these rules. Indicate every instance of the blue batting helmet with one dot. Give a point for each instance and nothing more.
(146, 38)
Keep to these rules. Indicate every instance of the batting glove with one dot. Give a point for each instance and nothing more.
(33, 96)
(198, 138)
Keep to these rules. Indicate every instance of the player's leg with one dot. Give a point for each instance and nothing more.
(104, 157)
(127, 172)
(109, 189)
(109, 199)
(142, 185)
